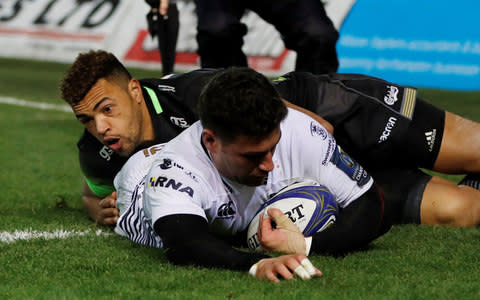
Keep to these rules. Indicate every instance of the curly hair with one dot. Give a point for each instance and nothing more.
(86, 70)
(240, 101)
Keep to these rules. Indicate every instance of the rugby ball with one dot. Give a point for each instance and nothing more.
(309, 205)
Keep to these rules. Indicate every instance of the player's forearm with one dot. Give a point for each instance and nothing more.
(188, 242)
(358, 224)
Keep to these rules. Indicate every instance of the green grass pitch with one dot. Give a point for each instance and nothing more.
(40, 186)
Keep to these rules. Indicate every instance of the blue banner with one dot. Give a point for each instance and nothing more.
(423, 43)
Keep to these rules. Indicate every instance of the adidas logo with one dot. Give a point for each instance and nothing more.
(430, 137)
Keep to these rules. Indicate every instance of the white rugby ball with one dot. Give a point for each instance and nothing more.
(309, 205)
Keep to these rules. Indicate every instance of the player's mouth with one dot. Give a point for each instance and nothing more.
(114, 144)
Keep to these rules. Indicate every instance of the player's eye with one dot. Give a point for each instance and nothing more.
(107, 109)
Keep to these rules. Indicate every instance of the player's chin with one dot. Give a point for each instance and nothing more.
(254, 180)
(124, 152)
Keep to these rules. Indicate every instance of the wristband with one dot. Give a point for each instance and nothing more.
(308, 245)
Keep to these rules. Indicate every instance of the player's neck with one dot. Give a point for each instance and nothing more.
(148, 133)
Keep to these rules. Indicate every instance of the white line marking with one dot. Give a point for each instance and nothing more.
(11, 237)
(33, 104)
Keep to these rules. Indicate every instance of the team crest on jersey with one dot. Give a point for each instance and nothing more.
(392, 95)
(226, 210)
(350, 167)
(317, 130)
(168, 163)
(165, 182)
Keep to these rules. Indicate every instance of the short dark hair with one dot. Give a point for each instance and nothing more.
(240, 101)
(86, 70)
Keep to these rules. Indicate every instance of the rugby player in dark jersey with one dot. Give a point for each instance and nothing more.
(382, 125)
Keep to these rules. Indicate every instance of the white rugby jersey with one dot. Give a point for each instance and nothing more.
(183, 179)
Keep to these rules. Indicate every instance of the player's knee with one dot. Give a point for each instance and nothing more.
(460, 212)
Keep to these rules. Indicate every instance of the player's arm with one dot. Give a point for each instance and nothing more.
(101, 210)
(188, 241)
(325, 123)
(357, 224)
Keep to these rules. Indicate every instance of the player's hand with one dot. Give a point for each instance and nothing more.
(286, 237)
(163, 7)
(107, 214)
(285, 267)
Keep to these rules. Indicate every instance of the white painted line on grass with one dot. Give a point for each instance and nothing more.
(33, 104)
(17, 235)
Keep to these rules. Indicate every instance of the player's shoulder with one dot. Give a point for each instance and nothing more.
(137, 166)
(299, 124)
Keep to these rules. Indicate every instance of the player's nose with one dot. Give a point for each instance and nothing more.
(267, 162)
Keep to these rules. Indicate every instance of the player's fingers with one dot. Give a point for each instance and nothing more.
(275, 213)
(110, 221)
(308, 266)
(283, 271)
(272, 277)
(107, 202)
(302, 273)
(265, 226)
(110, 212)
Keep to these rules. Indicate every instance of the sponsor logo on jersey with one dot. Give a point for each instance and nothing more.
(331, 146)
(226, 210)
(106, 153)
(350, 167)
(388, 129)
(170, 183)
(152, 150)
(179, 122)
(392, 95)
(168, 163)
(166, 88)
(430, 137)
(190, 174)
(317, 130)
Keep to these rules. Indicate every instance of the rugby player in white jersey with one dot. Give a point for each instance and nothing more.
(206, 185)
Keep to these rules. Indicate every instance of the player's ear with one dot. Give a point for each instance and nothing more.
(210, 140)
(135, 90)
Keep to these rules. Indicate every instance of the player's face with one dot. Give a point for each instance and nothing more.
(113, 112)
(246, 160)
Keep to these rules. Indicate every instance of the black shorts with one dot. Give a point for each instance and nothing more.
(403, 192)
(380, 138)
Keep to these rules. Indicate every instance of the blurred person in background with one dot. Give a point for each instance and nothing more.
(303, 25)
(162, 21)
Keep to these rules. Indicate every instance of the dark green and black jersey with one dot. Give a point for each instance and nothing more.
(380, 124)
